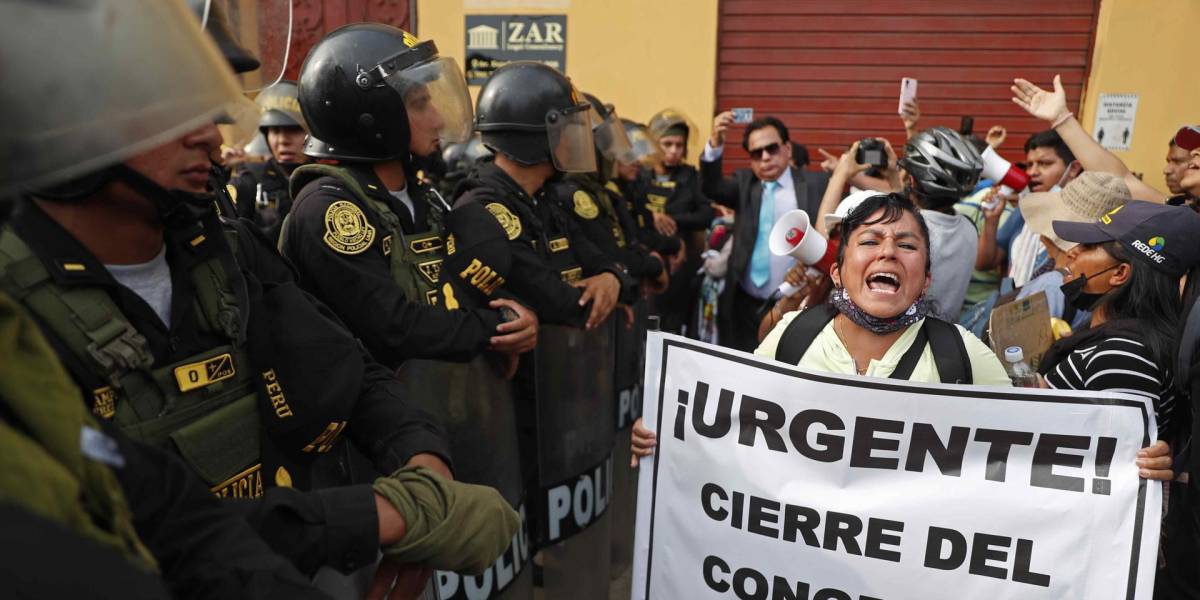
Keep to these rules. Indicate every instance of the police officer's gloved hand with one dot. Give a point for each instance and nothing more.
(450, 525)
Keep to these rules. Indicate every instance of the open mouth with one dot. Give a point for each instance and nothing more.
(883, 282)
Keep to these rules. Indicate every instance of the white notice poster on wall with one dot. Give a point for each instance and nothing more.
(1114, 120)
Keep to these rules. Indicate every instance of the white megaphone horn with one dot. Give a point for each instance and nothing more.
(1003, 172)
(793, 235)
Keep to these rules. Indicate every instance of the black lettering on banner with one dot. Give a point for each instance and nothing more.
(948, 457)
(751, 584)
(844, 527)
(830, 447)
(880, 532)
(1001, 442)
(801, 519)
(865, 443)
(1046, 456)
(723, 419)
(985, 548)
(948, 550)
(763, 512)
(936, 542)
(770, 424)
(706, 495)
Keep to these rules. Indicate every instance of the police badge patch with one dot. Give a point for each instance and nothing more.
(584, 205)
(346, 228)
(509, 221)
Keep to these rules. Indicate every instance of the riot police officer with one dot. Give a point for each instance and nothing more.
(671, 189)
(506, 235)
(599, 208)
(260, 189)
(189, 333)
(366, 235)
(534, 121)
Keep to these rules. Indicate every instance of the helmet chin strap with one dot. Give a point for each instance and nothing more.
(176, 207)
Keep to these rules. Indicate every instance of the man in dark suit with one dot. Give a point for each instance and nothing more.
(760, 195)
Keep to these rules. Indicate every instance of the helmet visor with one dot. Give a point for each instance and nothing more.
(238, 121)
(260, 31)
(279, 105)
(76, 106)
(436, 99)
(642, 147)
(569, 132)
(611, 140)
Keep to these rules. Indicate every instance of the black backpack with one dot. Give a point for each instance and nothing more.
(949, 353)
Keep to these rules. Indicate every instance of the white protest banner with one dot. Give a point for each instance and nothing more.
(774, 483)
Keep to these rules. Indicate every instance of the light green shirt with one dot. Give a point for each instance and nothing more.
(828, 354)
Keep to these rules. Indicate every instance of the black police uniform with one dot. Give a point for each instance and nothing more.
(547, 249)
(678, 195)
(260, 193)
(602, 216)
(356, 280)
(341, 527)
(634, 198)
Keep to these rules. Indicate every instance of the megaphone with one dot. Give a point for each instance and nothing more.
(793, 235)
(1003, 172)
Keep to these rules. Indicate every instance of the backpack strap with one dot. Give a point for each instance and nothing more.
(801, 332)
(949, 352)
(908, 362)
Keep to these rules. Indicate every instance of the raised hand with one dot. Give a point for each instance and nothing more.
(1045, 105)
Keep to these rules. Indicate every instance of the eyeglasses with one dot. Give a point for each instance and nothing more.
(769, 150)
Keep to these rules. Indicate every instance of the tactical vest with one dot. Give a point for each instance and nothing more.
(203, 407)
(603, 198)
(659, 194)
(551, 239)
(415, 259)
(269, 194)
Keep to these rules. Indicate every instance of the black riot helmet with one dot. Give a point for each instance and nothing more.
(609, 135)
(214, 20)
(280, 107)
(531, 113)
(944, 167)
(365, 86)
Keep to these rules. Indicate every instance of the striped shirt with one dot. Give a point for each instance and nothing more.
(1117, 364)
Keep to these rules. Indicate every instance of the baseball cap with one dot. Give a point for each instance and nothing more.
(1188, 137)
(1161, 236)
(846, 206)
(1084, 199)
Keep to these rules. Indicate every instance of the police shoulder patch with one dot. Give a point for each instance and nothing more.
(584, 205)
(509, 221)
(346, 228)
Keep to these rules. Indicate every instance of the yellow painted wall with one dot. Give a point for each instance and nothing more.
(640, 55)
(1147, 47)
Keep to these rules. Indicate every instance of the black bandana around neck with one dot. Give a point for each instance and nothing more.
(840, 300)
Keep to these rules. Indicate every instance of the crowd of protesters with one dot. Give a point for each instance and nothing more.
(928, 246)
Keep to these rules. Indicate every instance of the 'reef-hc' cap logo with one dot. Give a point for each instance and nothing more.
(1156, 242)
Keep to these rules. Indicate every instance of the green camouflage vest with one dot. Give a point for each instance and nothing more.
(202, 407)
(415, 259)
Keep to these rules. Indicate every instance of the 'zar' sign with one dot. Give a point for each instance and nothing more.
(770, 482)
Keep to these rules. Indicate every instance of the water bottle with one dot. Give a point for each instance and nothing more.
(1019, 370)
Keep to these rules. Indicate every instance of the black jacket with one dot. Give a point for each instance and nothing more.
(685, 201)
(337, 526)
(542, 247)
(264, 183)
(603, 217)
(360, 287)
(743, 193)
